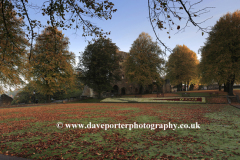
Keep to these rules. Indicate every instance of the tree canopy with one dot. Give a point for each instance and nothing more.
(75, 13)
(221, 53)
(72, 14)
(143, 64)
(182, 66)
(99, 65)
(12, 55)
(52, 66)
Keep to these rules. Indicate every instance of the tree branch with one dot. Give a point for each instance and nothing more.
(29, 21)
(154, 29)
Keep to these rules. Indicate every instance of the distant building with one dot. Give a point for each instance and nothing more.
(124, 87)
(5, 100)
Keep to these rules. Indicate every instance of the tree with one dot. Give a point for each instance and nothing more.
(143, 64)
(222, 52)
(99, 65)
(75, 91)
(12, 55)
(182, 66)
(208, 73)
(52, 65)
(65, 14)
(29, 94)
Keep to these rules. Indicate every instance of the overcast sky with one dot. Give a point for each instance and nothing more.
(131, 19)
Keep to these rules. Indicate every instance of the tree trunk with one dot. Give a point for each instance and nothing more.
(179, 88)
(219, 87)
(191, 87)
(230, 86)
(48, 95)
(141, 89)
(99, 95)
(226, 87)
(48, 99)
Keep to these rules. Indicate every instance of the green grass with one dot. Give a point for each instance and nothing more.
(150, 100)
(218, 136)
(193, 94)
(90, 100)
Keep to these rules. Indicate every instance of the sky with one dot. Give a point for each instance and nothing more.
(132, 18)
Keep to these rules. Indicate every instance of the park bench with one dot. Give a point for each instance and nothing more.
(185, 94)
(138, 96)
(213, 94)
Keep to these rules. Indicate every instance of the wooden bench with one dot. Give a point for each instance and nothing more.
(138, 96)
(213, 94)
(186, 94)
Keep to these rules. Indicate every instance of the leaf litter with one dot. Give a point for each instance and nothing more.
(37, 137)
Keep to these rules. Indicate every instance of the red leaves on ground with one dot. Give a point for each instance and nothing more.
(121, 113)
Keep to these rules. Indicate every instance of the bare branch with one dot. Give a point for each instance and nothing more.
(168, 11)
(78, 13)
(190, 17)
(29, 21)
(154, 30)
(53, 26)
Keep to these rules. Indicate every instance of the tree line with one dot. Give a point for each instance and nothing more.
(219, 61)
(51, 71)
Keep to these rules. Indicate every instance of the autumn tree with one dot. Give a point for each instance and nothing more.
(182, 66)
(52, 65)
(12, 55)
(221, 54)
(29, 94)
(75, 91)
(143, 64)
(99, 65)
(164, 14)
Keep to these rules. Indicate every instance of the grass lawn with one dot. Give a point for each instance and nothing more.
(90, 100)
(31, 132)
(203, 93)
(157, 100)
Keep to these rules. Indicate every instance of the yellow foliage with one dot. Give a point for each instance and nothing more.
(12, 49)
(52, 69)
(182, 66)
